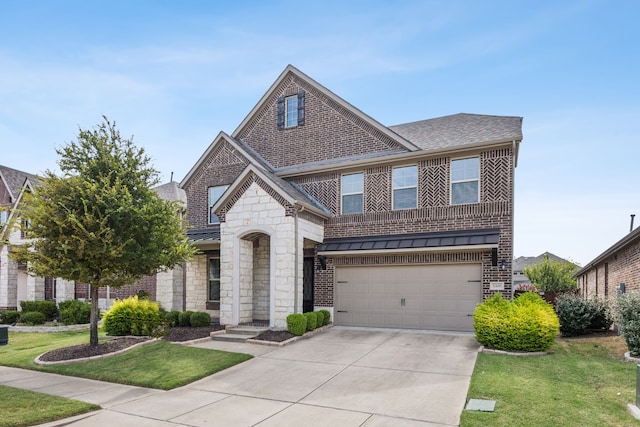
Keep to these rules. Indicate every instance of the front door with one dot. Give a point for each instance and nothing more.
(307, 285)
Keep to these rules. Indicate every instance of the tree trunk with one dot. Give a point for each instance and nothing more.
(95, 316)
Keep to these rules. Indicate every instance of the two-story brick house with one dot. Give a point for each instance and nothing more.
(310, 203)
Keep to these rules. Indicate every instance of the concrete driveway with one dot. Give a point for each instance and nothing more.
(342, 377)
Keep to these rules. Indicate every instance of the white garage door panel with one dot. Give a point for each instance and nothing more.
(435, 296)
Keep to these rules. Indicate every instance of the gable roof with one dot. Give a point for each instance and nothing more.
(15, 180)
(291, 192)
(290, 69)
(631, 238)
(524, 261)
(460, 129)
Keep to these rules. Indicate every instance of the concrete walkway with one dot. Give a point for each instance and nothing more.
(342, 377)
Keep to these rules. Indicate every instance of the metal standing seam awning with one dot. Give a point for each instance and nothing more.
(417, 242)
(203, 235)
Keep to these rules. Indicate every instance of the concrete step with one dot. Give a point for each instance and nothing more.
(239, 334)
(247, 330)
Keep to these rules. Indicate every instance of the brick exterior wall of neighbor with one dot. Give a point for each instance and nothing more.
(603, 279)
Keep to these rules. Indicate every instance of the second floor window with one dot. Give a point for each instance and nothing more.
(214, 195)
(352, 193)
(290, 111)
(405, 187)
(465, 178)
(3, 217)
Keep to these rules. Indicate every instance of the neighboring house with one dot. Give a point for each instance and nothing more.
(311, 204)
(16, 285)
(615, 270)
(520, 263)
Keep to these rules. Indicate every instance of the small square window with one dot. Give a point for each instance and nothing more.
(352, 193)
(465, 180)
(214, 195)
(405, 187)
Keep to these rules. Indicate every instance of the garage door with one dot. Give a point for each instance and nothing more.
(440, 297)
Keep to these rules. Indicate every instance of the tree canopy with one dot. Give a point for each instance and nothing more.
(100, 222)
(551, 275)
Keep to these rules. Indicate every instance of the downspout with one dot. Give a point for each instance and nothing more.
(513, 210)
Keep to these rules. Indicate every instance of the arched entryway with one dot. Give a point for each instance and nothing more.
(255, 279)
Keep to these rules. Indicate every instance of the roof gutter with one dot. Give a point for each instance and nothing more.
(410, 155)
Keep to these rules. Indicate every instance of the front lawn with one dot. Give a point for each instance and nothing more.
(161, 365)
(583, 382)
(25, 408)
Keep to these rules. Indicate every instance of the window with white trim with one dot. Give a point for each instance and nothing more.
(291, 111)
(3, 217)
(214, 279)
(352, 193)
(214, 195)
(405, 187)
(465, 181)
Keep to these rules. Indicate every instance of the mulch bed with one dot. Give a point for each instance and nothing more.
(176, 334)
(275, 336)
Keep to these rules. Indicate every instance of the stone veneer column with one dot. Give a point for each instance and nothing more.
(65, 290)
(169, 288)
(35, 288)
(196, 285)
(8, 280)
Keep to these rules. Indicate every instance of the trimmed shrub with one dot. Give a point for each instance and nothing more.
(297, 324)
(628, 319)
(602, 314)
(184, 318)
(577, 314)
(312, 320)
(327, 317)
(48, 308)
(132, 316)
(32, 318)
(75, 312)
(526, 324)
(173, 318)
(319, 318)
(199, 319)
(9, 316)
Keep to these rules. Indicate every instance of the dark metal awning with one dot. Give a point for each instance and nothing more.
(204, 235)
(418, 242)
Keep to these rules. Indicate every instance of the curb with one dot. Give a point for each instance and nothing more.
(37, 360)
(290, 340)
(513, 353)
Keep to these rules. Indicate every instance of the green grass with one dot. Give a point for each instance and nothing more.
(25, 408)
(578, 384)
(160, 365)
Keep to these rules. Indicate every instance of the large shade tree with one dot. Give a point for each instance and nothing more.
(100, 222)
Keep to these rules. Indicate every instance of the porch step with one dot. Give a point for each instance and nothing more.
(239, 334)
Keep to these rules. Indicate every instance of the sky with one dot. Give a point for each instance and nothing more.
(175, 73)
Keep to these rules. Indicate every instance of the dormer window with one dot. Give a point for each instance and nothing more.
(291, 111)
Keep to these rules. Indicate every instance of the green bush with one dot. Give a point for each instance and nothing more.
(297, 324)
(184, 318)
(173, 318)
(75, 312)
(628, 319)
(327, 317)
(48, 308)
(312, 320)
(319, 318)
(32, 318)
(602, 314)
(574, 314)
(199, 319)
(526, 324)
(9, 317)
(132, 316)
(577, 314)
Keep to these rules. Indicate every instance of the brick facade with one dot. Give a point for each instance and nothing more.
(603, 277)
